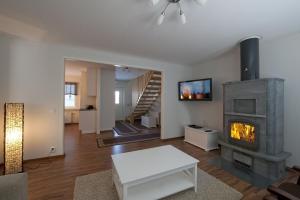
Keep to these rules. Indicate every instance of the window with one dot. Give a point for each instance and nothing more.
(70, 94)
(70, 100)
(117, 97)
(70, 88)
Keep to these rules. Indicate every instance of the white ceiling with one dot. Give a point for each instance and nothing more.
(122, 73)
(130, 26)
(128, 73)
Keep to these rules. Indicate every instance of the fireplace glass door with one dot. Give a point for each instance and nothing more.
(242, 132)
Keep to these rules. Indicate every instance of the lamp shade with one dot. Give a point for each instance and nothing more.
(183, 18)
(161, 18)
(13, 137)
(154, 2)
(201, 2)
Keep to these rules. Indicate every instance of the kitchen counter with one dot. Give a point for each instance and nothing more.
(87, 121)
(84, 109)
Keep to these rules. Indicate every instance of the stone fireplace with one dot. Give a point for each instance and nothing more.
(254, 124)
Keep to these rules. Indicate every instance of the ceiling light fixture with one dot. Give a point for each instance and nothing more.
(161, 18)
(182, 15)
(154, 2)
(201, 2)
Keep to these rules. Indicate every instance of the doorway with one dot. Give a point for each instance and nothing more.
(119, 104)
(114, 94)
(137, 98)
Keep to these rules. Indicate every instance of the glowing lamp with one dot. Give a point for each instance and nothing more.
(13, 137)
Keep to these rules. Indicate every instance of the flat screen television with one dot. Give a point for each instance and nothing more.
(195, 90)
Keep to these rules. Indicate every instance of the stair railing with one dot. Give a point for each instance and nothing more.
(147, 79)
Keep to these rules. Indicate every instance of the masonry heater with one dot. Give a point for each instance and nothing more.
(253, 118)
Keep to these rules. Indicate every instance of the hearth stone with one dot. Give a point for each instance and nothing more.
(258, 102)
(271, 167)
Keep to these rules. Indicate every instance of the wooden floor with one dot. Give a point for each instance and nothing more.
(54, 179)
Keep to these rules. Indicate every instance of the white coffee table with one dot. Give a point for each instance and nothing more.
(153, 173)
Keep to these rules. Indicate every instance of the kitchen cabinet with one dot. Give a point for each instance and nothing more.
(71, 116)
(92, 82)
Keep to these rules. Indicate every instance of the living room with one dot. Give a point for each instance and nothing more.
(37, 37)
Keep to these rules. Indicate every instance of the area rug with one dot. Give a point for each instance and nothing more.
(124, 128)
(139, 127)
(126, 139)
(99, 186)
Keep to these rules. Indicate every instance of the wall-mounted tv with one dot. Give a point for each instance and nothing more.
(195, 90)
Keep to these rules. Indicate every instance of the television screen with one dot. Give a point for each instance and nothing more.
(195, 90)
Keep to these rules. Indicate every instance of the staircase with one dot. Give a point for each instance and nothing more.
(148, 96)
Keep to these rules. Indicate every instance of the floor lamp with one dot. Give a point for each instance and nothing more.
(13, 137)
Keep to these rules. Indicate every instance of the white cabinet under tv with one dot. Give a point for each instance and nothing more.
(205, 138)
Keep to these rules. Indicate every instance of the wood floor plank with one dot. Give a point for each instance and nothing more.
(54, 179)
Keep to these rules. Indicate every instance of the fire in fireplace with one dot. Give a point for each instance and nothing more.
(242, 131)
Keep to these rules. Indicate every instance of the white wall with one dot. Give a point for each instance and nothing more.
(278, 58)
(33, 73)
(107, 99)
(281, 58)
(222, 69)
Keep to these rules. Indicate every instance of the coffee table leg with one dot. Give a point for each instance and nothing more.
(113, 173)
(124, 192)
(195, 178)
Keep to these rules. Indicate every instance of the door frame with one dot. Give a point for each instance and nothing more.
(123, 100)
(61, 110)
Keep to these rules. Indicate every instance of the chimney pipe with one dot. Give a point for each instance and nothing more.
(249, 48)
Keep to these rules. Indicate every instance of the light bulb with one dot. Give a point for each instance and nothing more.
(183, 17)
(161, 18)
(154, 2)
(201, 2)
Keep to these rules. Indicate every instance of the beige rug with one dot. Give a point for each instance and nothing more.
(98, 186)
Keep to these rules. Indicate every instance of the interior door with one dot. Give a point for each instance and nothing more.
(120, 104)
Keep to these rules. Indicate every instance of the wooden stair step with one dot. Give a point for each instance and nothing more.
(157, 72)
(156, 78)
(141, 102)
(144, 106)
(151, 92)
(141, 109)
(148, 107)
(156, 90)
(154, 83)
(152, 96)
(157, 87)
(146, 101)
(141, 99)
(147, 98)
(149, 104)
(139, 113)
